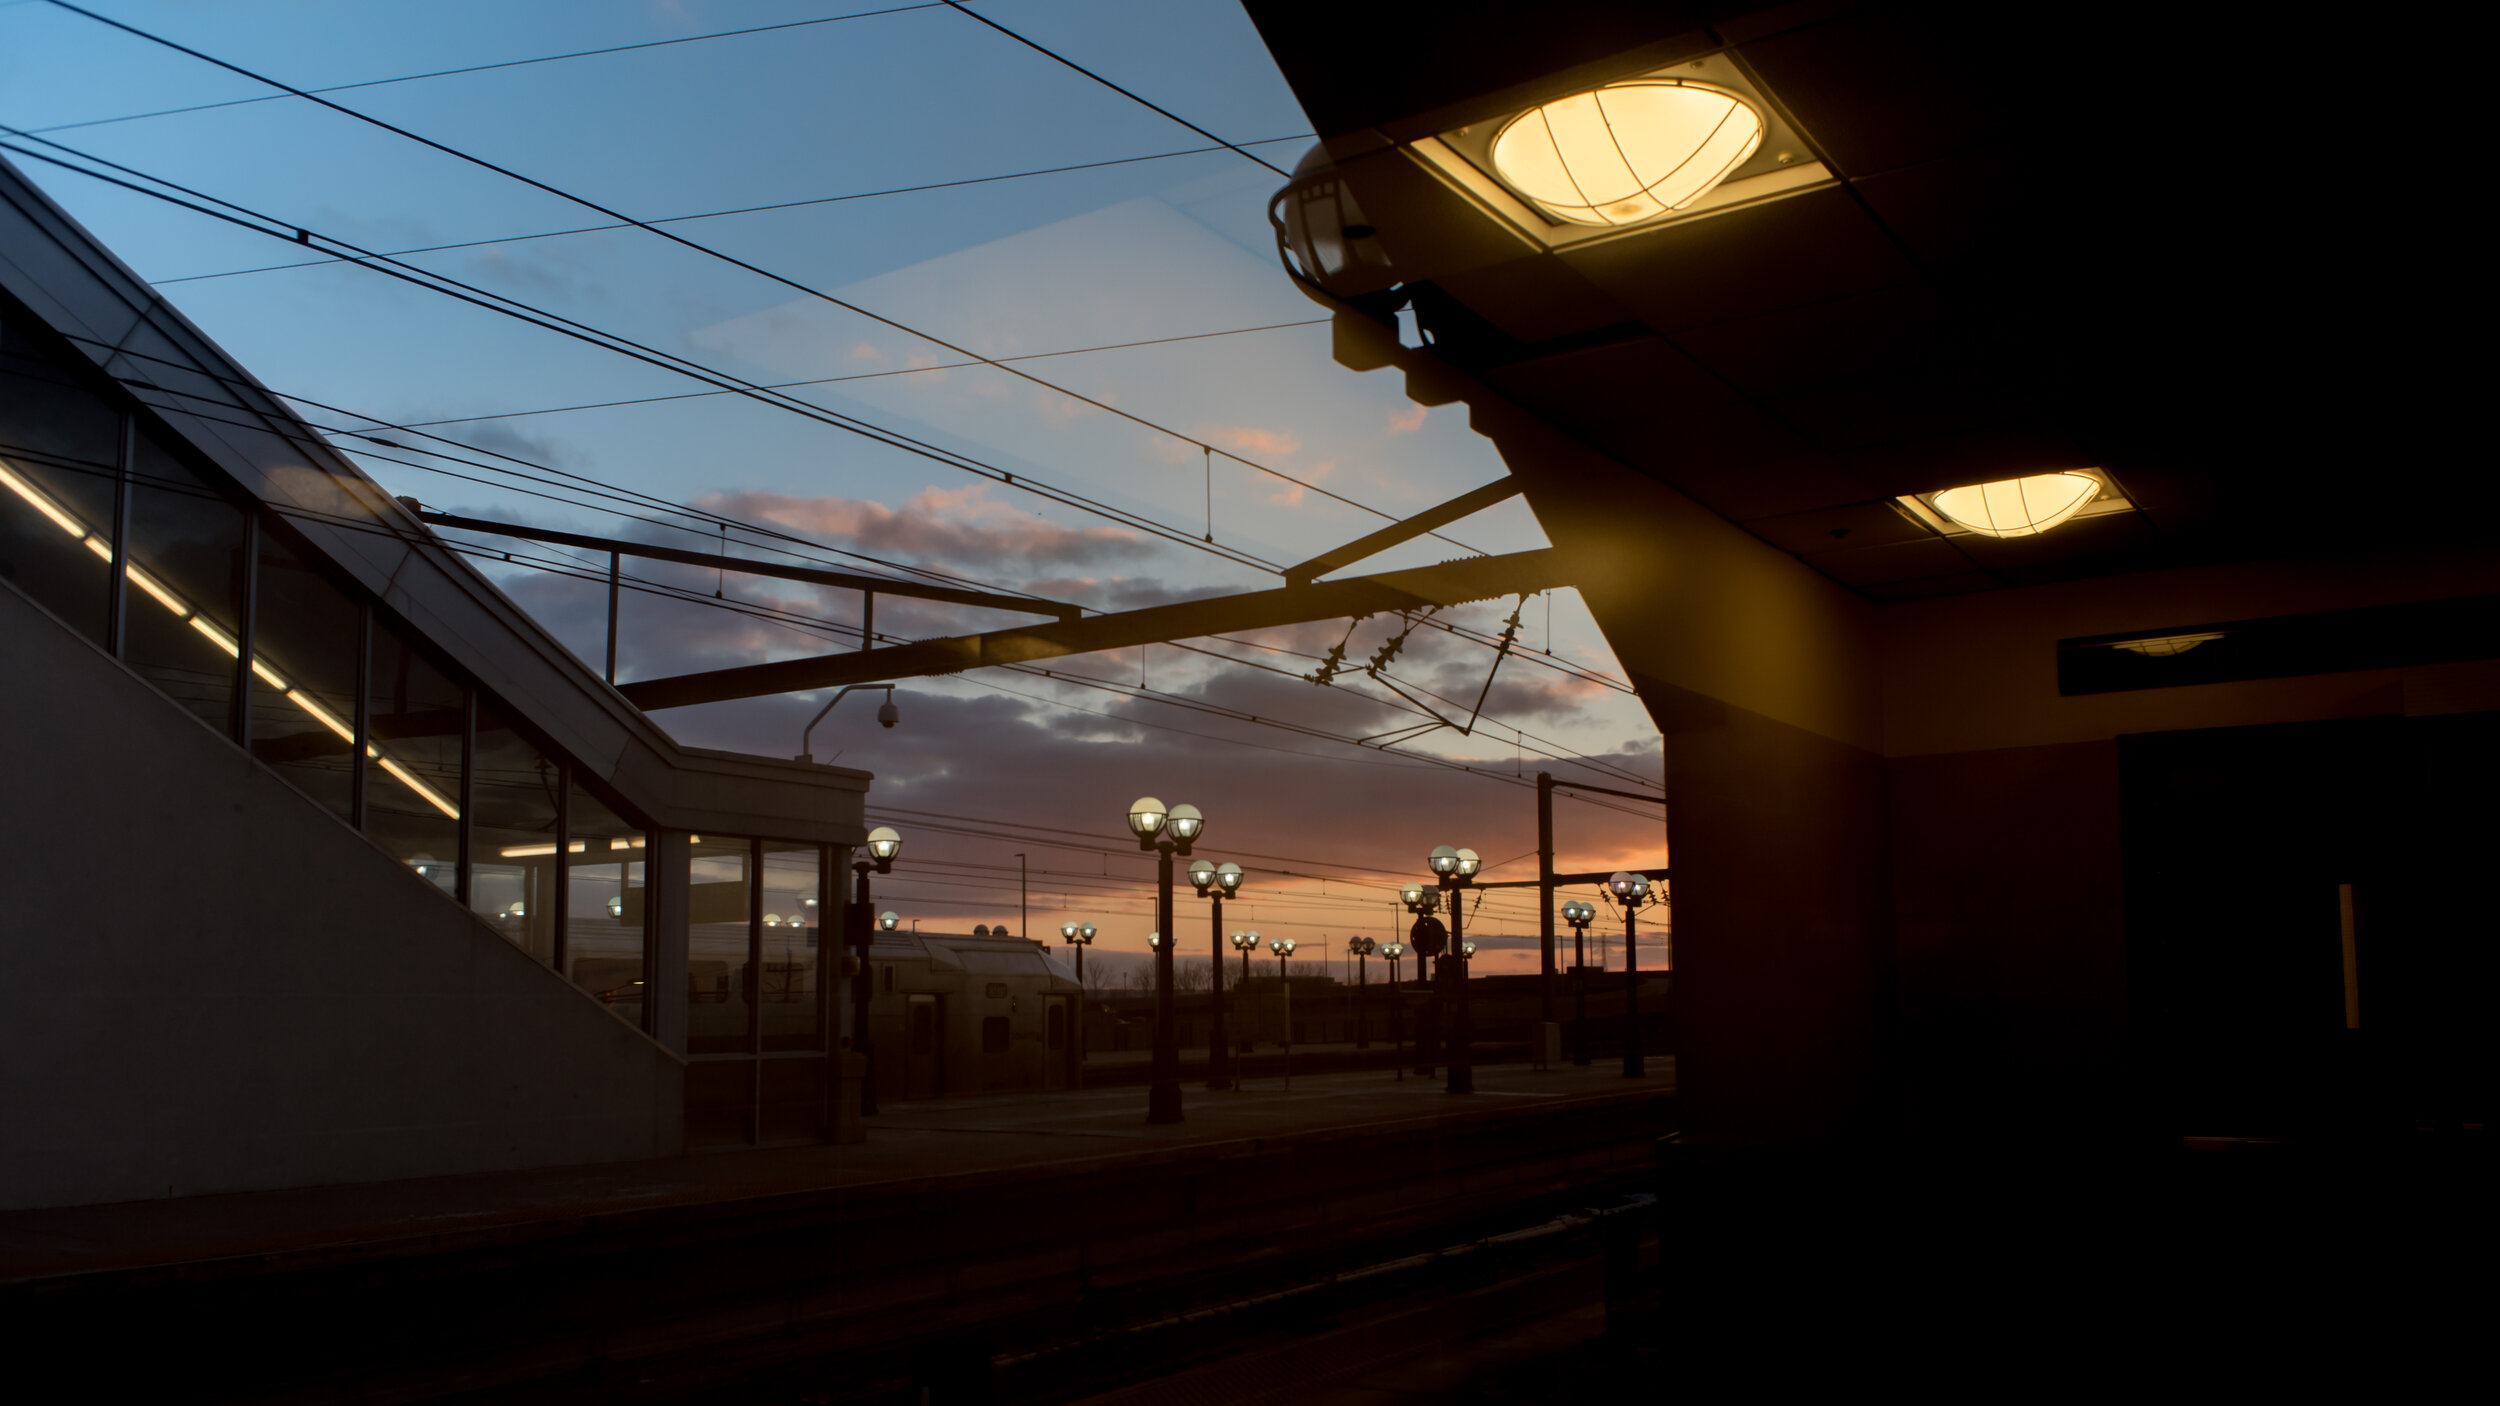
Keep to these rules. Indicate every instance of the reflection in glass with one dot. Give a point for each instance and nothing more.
(412, 781)
(45, 408)
(719, 1008)
(304, 677)
(604, 885)
(186, 585)
(55, 538)
(793, 947)
(515, 791)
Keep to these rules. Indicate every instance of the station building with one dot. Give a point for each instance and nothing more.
(329, 863)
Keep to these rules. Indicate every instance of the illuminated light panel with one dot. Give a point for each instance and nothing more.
(1627, 152)
(533, 851)
(2167, 645)
(42, 502)
(2017, 507)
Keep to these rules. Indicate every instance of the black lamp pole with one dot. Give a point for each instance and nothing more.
(1630, 891)
(878, 856)
(1166, 834)
(1462, 1076)
(1578, 915)
(1213, 883)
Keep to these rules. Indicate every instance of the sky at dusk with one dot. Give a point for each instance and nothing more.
(828, 115)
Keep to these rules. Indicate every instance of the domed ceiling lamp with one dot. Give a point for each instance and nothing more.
(2017, 507)
(1628, 152)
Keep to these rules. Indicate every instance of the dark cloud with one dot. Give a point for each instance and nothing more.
(961, 528)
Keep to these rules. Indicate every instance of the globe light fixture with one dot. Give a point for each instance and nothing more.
(1245, 941)
(1154, 939)
(1281, 946)
(1087, 931)
(1067, 931)
(1619, 883)
(1185, 822)
(1468, 863)
(1627, 152)
(1467, 948)
(883, 845)
(2017, 507)
(1145, 818)
(616, 908)
(1411, 895)
(889, 920)
(1228, 877)
(1444, 861)
(1202, 876)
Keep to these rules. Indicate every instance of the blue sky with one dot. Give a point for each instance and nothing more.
(831, 113)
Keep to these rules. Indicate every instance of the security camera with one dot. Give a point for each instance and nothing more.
(888, 715)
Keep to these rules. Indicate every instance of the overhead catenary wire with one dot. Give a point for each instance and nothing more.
(492, 67)
(624, 346)
(804, 289)
(777, 205)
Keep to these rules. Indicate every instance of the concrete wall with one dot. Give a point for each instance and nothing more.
(214, 986)
(1762, 677)
(2010, 914)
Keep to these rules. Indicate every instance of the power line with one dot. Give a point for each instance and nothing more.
(522, 311)
(877, 375)
(721, 214)
(732, 260)
(490, 67)
(1056, 57)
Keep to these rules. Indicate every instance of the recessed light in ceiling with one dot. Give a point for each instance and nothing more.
(1646, 150)
(2167, 645)
(1628, 152)
(2017, 507)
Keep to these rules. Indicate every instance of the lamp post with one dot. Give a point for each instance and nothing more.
(1245, 943)
(1579, 915)
(887, 716)
(1427, 937)
(1283, 948)
(1361, 948)
(883, 844)
(1456, 870)
(1631, 892)
(1164, 834)
(1079, 936)
(1216, 882)
(1392, 951)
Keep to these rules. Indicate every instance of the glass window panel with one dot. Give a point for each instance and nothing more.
(46, 407)
(304, 677)
(792, 1010)
(603, 927)
(515, 790)
(719, 1009)
(412, 776)
(56, 537)
(186, 584)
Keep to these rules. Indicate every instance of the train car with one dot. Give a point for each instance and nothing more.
(958, 1013)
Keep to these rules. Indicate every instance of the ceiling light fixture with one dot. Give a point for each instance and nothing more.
(1628, 152)
(2017, 507)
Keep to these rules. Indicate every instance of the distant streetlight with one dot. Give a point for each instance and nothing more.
(1360, 948)
(1630, 891)
(1427, 937)
(1164, 833)
(1393, 951)
(1579, 915)
(1456, 870)
(1245, 943)
(1283, 948)
(883, 844)
(1215, 883)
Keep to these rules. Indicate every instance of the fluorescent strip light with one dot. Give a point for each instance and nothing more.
(534, 851)
(432, 797)
(42, 502)
(181, 609)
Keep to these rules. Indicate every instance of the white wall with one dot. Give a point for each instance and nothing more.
(212, 985)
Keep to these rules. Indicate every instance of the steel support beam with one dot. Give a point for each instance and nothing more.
(1450, 583)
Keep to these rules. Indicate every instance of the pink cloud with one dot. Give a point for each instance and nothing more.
(1407, 421)
(1249, 439)
(961, 526)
